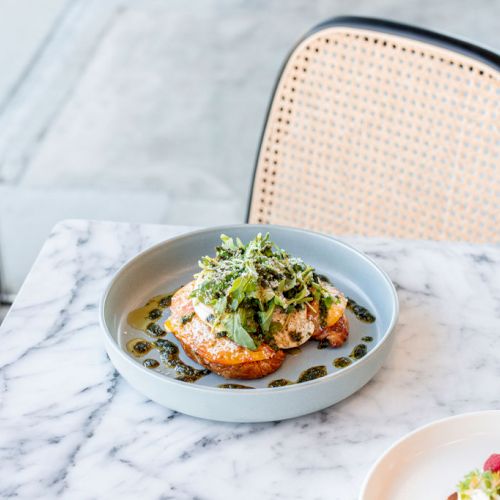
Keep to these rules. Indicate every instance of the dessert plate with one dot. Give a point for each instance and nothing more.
(429, 462)
(165, 267)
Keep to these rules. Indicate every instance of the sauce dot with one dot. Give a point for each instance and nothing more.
(151, 363)
(341, 362)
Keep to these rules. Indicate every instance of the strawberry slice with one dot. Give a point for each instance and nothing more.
(493, 463)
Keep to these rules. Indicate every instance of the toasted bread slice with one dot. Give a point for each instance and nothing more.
(219, 354)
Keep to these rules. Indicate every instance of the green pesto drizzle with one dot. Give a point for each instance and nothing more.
(310, 374)
(155, 330)
(139, 347)
(165, 301)
(280, 382)
(169, 354)
(341, 362)
(362, 313)
(150, 363)
(144, 318)
(235, 386)
(359, 351)
(323, 344)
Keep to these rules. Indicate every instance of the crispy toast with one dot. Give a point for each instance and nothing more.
(219, 354)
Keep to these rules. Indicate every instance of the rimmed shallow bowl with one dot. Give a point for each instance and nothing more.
(430, 461)
(172, 263)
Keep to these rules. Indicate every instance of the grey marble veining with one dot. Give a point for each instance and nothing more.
(71, 427)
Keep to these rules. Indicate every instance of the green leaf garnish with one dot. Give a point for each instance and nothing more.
(235, 331)
(244, 284)
(265, 317)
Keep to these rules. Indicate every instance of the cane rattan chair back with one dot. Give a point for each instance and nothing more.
(376, 128)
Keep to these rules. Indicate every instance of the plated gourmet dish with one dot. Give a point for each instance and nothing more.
(480, 485)
(251, 302)
(248, 307)
(140, 305)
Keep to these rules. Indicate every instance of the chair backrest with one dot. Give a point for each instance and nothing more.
(377, 128)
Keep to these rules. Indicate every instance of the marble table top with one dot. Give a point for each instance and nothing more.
(71, 427)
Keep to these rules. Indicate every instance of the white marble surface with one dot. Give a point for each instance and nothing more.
(70, 427)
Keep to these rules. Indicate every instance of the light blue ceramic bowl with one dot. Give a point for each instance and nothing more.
(168, 265)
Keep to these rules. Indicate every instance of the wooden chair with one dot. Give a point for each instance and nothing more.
(377, 128)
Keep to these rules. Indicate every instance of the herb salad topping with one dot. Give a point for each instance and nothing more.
(244, 284)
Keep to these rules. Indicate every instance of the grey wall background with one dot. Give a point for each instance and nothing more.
(151, 110)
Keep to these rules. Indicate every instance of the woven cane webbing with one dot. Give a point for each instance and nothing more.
(377, 134)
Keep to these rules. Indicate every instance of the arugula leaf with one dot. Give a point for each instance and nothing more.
(265, 295)
(300, 297)
(227, 242)
(281, 302)
(265, 317)
(290, 283)
(242, 287)
(281, 285)
(236, 332)
(247, 316)
(220, 306)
